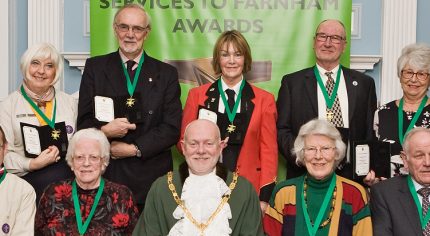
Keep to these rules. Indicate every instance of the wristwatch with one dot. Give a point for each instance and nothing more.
(138, 153)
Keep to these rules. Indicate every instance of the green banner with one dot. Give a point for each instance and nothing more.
(280, 33)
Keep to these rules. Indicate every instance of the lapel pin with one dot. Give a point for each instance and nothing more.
(212, 89)
(355, 83)
(213, 100)
(150, 80)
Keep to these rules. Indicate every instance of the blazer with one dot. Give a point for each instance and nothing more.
(298, 103)
(258, 157)
(393, 209)
(160, 104)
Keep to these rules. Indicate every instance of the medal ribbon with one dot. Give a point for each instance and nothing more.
(83, 228)
(231, 114)
(51, 122)
(3, 175)
(329, 100)
(413, 121)
(424, 220)
(131, 87)
(312, 229)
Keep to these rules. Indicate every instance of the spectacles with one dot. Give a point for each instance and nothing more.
(408, 74)
(126, 28)
(322, 37)
(312, 151)
(91, 159)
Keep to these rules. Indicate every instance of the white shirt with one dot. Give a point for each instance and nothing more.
(341, 94)
(235, 88)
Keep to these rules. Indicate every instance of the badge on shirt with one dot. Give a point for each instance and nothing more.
(207, 115)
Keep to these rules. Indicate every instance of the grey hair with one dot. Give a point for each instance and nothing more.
(416, 55)
(408, 137)
(318, 127)
(136, 6)
(42, 51)
(94, 134)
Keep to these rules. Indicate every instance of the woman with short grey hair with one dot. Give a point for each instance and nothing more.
(320, 201)
(394, 119)
(108, 208)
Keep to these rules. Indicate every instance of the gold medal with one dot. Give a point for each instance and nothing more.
(130, 102)
(55, 134)
(329, 116)
(231, 128)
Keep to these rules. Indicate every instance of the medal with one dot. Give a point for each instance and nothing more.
(130, 101)
(231, 128)
(55, 134)
(131, 87)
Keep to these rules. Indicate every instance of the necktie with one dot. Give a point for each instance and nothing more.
(425, 192)
(334, 115)
(131, 72)
(230, 98)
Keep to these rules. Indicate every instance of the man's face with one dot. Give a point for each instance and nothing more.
(417, 158)
(327, 50)
(202, 147)
(131, 31)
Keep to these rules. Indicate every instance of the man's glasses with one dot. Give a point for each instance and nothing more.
(322, 37)
(126, 28)
(408, 74)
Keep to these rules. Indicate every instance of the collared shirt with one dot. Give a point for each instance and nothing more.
(341, 94)
(124, 59)
(236, 88)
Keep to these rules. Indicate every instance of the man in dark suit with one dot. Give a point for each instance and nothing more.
(304, 95)
(397, 203)
(135, 100)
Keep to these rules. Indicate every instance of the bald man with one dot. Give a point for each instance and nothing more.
(203, 197)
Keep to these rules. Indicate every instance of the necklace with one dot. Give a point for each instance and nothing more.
(201, 226)
(333, 202)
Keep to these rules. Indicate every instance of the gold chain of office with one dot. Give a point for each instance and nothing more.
(201, 226)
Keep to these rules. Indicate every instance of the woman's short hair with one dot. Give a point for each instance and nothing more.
(42, 51)
(318, 127)
(417, 56)
(239, 42)
(94, 134)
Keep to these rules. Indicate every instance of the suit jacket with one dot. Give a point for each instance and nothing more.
(160, 104)
(393, 209)
(258, 158)
(298, 103)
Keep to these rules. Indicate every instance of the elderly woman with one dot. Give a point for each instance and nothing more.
(38, 120)
(394, 119)
(244, 113)
(87, 204)
(319, 202)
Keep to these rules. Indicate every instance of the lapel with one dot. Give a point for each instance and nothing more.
(351, 91)
(212, 99)
(148, 79)
(246, 105)
(408, 207)
(311, 89)
(115, 74)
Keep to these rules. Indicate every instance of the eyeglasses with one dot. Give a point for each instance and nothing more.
(91, 159)
(126, 28)
(312, 151)
(322, 37)
(408, 74)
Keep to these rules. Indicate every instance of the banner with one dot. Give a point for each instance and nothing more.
(279, 32)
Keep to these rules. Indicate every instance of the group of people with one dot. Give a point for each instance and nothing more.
(94, 165)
